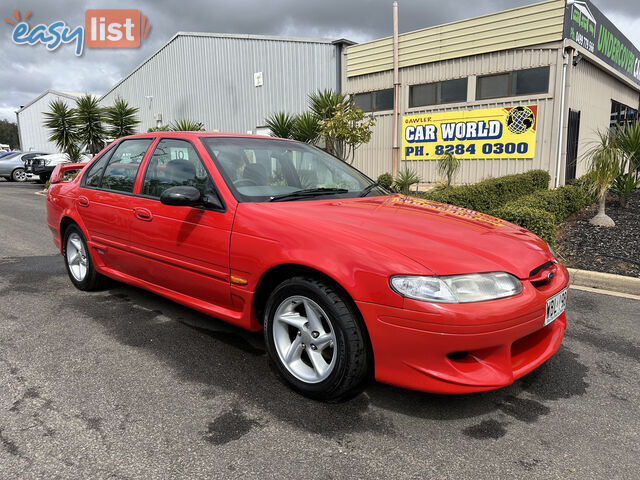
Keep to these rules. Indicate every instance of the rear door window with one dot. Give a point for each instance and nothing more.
(122, 169)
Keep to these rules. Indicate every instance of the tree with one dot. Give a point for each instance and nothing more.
(405, 179)
(161, 128)
(121, 119)
(325, 103)
(628, 139)
(63, 127)
(281, 125)
(90, 118)
(186, 126)
(603, 169)
(448, 166)
(346, 130)
(9, 134)
(306, 128)
(627, 182)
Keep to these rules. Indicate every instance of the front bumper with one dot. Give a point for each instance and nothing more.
(463, 348)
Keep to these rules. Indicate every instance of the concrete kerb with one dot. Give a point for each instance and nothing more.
(605, 281)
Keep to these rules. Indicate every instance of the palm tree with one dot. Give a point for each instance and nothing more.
(121, 119)
(306, 128)
(90, 117)
(628, 139)
(63, 126)
(186, 126)
(405, 179)
(281, 125)
(448, 166)
(325, 103)
(604, 168)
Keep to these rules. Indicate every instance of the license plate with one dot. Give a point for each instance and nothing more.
(555, 306)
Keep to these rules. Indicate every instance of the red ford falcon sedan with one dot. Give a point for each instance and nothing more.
(348, 281)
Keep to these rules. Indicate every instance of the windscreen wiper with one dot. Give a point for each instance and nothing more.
(307, 192)
(367, 190)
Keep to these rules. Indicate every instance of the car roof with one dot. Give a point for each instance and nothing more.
(200, 135)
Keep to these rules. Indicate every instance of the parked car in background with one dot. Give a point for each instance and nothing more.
(12, 166)
(4, 154)
(43, 165)
(347, 280)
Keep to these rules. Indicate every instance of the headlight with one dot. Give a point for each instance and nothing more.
(553, 252)
(473, 287)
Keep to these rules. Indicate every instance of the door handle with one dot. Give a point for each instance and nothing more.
(83, 201)
(142, 214)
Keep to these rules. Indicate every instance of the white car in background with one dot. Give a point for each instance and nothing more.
(43, 165)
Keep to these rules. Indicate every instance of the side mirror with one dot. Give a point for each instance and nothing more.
(183, 196)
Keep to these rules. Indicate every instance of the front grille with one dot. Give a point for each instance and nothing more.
(542, 274)
(536, 270)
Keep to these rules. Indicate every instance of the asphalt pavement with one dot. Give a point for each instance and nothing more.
(122, 383)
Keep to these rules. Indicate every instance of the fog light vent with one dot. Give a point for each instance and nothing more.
(457, 355)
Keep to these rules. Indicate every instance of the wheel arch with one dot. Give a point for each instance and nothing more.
(65, 222)
(272, 277)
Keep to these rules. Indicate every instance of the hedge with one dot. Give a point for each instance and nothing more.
(560, 202)
(542, 211)
(491, 194)
(535, 220)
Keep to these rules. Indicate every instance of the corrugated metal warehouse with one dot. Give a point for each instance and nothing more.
(502, 60)
(33, 136)
(231, 83)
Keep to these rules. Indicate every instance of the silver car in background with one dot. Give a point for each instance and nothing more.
(12, 165)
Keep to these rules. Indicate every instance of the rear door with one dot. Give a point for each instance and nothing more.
(184, 249)
(105, 202)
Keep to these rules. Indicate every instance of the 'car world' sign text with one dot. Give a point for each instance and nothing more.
(484, 133)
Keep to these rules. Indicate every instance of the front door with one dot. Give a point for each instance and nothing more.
(104, 202)
(184, 249)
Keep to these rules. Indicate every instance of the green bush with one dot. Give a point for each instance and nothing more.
(537, 221)
(491, 194)
(542, 211)
(560, 202)
(385, 180)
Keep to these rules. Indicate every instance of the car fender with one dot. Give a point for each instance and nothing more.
(358, 264)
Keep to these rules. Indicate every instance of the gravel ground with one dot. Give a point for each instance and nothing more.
(611, 250)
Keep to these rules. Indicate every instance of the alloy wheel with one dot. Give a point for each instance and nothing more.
(77, 257)
(304, 339)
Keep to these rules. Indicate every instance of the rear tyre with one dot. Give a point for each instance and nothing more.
(19, 175)
(78, 261)
(314, 339)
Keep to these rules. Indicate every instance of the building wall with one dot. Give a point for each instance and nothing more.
(509, 29)
(210, 78)
(590, 90)
(376, 157)
(33, 135)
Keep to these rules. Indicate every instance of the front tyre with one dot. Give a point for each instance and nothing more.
(19, 175)
(78, 261)
(314, 339)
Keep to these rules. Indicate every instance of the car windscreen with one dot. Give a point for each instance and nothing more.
(259, 170)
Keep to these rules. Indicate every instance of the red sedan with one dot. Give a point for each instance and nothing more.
(347, 280)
